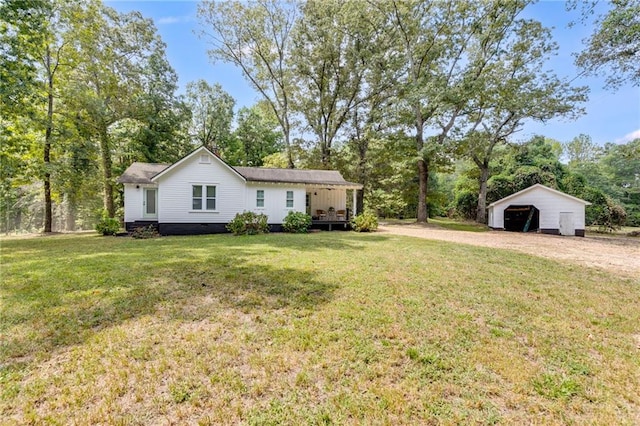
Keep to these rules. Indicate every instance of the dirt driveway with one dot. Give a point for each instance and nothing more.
(618, 255)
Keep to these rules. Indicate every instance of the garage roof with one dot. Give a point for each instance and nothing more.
(546, 188)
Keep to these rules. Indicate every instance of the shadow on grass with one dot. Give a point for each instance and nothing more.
(60, 293)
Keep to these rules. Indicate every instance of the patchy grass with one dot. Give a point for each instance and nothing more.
(310, 329)
(457, 225)
(442, 222)
(625, 231)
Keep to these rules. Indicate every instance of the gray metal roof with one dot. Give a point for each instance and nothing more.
(301, 176)
(141, 172)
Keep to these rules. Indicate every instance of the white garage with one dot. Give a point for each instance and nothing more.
(539, 209)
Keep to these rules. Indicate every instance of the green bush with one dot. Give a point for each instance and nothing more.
(603, 212)
(144, 232)
(296, 222)
(466, 204)
(108, 226)
(365, 222)
(248, 223)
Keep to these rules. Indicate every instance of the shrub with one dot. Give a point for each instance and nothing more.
(296, 222)
(108, 226)
(248, 223)
(604, 212)
(365, 222)
(466, 204)
(144, 232)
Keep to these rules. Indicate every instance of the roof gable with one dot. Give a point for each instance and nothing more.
(188, 157)
(543, 187)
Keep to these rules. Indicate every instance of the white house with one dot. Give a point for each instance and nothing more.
(539, 208)
(201, 193)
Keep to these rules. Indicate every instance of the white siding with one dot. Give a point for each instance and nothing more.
(275, 200)
(133, 201)
(175, 194)
(550, 205)
(322, 199)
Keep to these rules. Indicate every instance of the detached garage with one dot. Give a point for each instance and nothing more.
(539, 209)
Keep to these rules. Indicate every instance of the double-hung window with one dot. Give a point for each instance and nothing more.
(289, 199)
(204, 197)
(260, 198)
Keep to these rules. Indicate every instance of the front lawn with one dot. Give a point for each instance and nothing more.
(331, 327)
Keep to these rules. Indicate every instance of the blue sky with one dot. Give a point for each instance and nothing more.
(610, 116)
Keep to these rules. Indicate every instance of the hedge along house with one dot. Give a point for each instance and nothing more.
(539, 208)
(201, 194)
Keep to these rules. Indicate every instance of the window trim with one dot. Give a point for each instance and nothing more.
(204, 198)
(259, 198)
(287, 200)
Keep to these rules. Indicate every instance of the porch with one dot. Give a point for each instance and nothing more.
(331, 220)
(331, 206)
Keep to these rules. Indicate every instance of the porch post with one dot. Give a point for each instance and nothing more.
(355, 207)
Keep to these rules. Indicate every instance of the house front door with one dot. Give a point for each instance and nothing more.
(150, 203)
(308, 203)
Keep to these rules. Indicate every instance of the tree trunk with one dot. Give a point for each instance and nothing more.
(423, 177)
(48, 213)
(105, 152)
(423, 170)
(326, 156)
(70, 222)
(363, 147)
(481, 214)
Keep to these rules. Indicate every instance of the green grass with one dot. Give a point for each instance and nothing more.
(622, 232)
(326, 328)
(457, 225)
(443, 222)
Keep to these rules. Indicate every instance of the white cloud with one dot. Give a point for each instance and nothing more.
(629, 137)
(166, 20)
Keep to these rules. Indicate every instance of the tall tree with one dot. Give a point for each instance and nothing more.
(258, 134)
(23, 30)
(37, 50)
(510, 87)
(256, 37)
(580, 150)
(161, 116)
(432, 38)
(211, 115)
(107, 89)
(615, 43)
(335, 44)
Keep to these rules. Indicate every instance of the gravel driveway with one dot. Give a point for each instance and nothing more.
(615, 254)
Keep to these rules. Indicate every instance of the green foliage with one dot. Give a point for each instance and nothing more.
(466, 204)
(604, 212)
(365, 222)
(556, 387)
(296, 222)
(248, 223)
(144, 232)
(258, 135)
(211, 116)
(108, 226)
(614, 44)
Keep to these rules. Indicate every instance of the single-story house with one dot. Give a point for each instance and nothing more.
(539, 208)
(201, 194)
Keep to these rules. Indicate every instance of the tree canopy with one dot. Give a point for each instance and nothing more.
(421, 102)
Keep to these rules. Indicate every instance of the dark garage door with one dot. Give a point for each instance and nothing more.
(521, 218)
